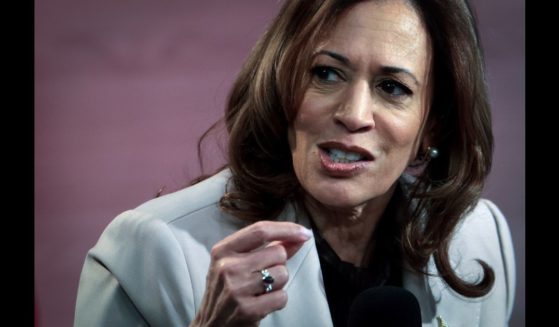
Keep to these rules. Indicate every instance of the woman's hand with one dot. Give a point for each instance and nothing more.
(235, 293)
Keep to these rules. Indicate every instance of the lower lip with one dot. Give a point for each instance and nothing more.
(341, 169)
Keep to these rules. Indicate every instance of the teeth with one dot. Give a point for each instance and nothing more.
(337, 155)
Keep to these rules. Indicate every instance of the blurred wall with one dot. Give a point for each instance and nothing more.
(123, 89)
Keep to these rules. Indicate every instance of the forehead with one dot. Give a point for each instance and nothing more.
(388, 30)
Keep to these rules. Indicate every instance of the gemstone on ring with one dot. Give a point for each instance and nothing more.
(268, 288)
(266, 277)
(267, 280)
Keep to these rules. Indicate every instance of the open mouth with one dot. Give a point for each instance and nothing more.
(341, 153)
(340, 160)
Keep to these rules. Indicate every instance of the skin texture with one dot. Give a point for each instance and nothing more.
(354, 100)
(234, 290)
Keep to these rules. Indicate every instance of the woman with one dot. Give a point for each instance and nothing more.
(359, 142)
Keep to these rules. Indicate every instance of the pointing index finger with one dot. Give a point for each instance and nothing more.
(263, 232)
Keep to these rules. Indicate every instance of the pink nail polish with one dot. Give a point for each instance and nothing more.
(307, 232)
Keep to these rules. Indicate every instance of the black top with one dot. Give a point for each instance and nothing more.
(343, 281)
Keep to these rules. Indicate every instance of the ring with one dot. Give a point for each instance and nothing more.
(267, 280)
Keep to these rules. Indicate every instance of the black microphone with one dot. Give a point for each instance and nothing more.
(385, 306)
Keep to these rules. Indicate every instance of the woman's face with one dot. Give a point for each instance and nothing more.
(359, 122)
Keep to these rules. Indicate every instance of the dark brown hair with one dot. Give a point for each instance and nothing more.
(268, 90)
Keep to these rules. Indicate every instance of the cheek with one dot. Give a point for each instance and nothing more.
(303, 121)
(299, 133)
(291, 138)
(404, 135)
(309, 123)
(311, 111)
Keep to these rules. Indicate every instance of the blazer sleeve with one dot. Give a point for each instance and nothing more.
(102, 301)
(136, 275)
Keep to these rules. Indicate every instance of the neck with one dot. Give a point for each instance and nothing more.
(348, 230)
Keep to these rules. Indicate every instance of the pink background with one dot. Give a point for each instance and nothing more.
(123, 89)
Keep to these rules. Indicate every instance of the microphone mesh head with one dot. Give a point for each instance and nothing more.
(385, 306)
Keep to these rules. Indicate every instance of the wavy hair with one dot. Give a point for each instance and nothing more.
(265, 97)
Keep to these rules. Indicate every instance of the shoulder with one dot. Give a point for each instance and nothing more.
(191, 210)
(483, 232)
(484, 213)
(164, 244)
(168, 229)
(176, 218)
(484, 235)
(177, 205)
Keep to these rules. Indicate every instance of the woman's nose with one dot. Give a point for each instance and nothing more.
(355, 112)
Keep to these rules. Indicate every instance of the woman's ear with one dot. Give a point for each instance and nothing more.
(429, 139)
(420, 159)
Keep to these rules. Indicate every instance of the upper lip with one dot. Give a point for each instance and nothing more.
(347, 148)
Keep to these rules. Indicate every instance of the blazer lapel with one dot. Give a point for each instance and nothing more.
(418, 285)
(305, 288)
(439, 304)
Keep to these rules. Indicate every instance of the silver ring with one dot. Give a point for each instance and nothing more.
(267, 280)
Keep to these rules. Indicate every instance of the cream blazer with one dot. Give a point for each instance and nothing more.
(149, 267)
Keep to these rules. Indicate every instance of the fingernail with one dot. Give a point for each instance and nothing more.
(307, 232)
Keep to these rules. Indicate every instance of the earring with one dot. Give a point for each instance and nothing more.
(418, 165)
(432, 152)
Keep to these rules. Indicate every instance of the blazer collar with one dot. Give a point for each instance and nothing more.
(307, 296)
(295, 263)
(305, 288)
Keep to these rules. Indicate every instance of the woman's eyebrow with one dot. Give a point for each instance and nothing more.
(337, 56)
(385, 69)
(399, 70)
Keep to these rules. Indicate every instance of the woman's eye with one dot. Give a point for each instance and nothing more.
(326, 74)
(394, 88)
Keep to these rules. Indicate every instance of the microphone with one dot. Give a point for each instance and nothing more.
(386, 306)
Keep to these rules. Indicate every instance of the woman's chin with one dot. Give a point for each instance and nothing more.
(346, 194)
(339, 199)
